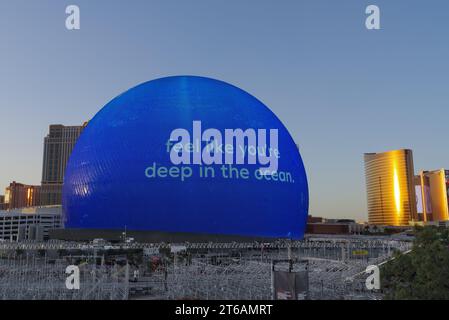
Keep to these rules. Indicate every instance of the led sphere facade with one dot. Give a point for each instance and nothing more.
(114, 178)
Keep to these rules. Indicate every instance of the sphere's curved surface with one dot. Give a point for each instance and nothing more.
(112, 179)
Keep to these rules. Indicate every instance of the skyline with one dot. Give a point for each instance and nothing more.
(340, 89)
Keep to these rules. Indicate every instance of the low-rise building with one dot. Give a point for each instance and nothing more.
(333, 226)
(29, 223)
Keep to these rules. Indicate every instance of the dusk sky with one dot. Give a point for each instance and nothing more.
(340, 89)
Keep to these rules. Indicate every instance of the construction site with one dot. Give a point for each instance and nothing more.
(327, 268)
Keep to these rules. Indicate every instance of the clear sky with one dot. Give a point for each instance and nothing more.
(339, 88)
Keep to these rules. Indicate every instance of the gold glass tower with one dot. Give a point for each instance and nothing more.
(390, 187)
(435, 200)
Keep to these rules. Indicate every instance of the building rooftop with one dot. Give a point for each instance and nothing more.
(33, 210)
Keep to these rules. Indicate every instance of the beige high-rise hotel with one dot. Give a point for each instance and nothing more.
(58, 146)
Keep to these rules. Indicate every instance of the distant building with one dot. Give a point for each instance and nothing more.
(29, 223)
(312, 219)
(432, 191)
(19, 195)
(319, 225)
(327, 228)
(390, 188)
(2, 202)
(58, 146)
(444, 224)
(335, 227)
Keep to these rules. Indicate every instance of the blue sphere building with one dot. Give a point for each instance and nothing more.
(114, 179)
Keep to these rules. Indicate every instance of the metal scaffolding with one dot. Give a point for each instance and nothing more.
(336, 270)
(37, 278)
(197, 271)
